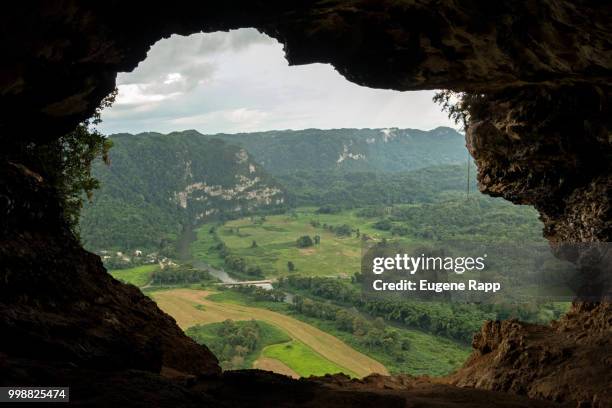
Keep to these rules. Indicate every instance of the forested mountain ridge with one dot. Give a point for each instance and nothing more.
(347, 150)
(156, 183)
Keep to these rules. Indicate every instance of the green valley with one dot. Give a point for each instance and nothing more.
(269, 243)
(291, 211)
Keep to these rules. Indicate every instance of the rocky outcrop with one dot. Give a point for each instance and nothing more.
(61, 58)
(253, 388)
(549, 147)
(569, 361)
(58, 303)
(540, 136)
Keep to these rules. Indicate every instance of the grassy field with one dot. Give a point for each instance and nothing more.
(302, 359)
(276, 243)
(201, 247)
(181, 304)
(138, 276)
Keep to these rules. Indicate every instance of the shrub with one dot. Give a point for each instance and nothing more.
(304, 241)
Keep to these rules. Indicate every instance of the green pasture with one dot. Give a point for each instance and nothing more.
(275, 243)
(138, 275)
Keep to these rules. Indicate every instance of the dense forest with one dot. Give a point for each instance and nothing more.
(155, 184)
(359, 189)
(453, 217)
(456, 321)
(179, 275)
(352, 150)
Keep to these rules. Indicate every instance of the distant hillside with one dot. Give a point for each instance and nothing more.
(358, 189)
(349, 150)
(155, 183)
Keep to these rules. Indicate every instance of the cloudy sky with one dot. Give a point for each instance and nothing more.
(240, 82)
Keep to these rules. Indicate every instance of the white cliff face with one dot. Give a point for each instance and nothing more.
(245, 188)
(242, 156)
(389, 134)
(188, 172)
(206, 213)
(346, 154)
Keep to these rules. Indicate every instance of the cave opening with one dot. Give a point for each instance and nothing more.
(267, 200)
(539, 134)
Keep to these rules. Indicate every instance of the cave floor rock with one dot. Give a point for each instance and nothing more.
(251, 388)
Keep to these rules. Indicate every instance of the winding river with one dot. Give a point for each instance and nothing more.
(184, 253)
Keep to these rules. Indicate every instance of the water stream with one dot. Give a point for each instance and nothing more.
(184, 254)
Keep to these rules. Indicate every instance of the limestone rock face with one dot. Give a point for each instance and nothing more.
(570, 360)
(542, 136)
(551, 148)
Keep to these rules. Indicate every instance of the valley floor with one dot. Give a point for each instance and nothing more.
(190, 307)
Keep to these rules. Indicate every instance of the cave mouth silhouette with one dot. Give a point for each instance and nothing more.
(540, 136)
(180, 71)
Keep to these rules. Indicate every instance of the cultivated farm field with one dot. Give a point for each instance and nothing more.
(325, 352)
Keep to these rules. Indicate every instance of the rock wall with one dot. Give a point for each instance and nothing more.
(540, 136)
(550, 147)
(58, 303)
(61, 57)
(569, 360)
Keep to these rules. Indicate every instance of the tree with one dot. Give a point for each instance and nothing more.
(254, 271)
(344, 320)
(383, 225)
(67, 162)
(461, 106)
(304, 241)
(343, 230)
(290, 266)
(235, 263)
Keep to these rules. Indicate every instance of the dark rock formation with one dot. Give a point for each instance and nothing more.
(570, 360)
(540, 137)
(549, 147)
(58, 303)
(61, 58)
(253, 388)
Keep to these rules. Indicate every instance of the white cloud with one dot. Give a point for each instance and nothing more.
(240, 81)
(138, 94)
(173, 77)
(242, 119)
